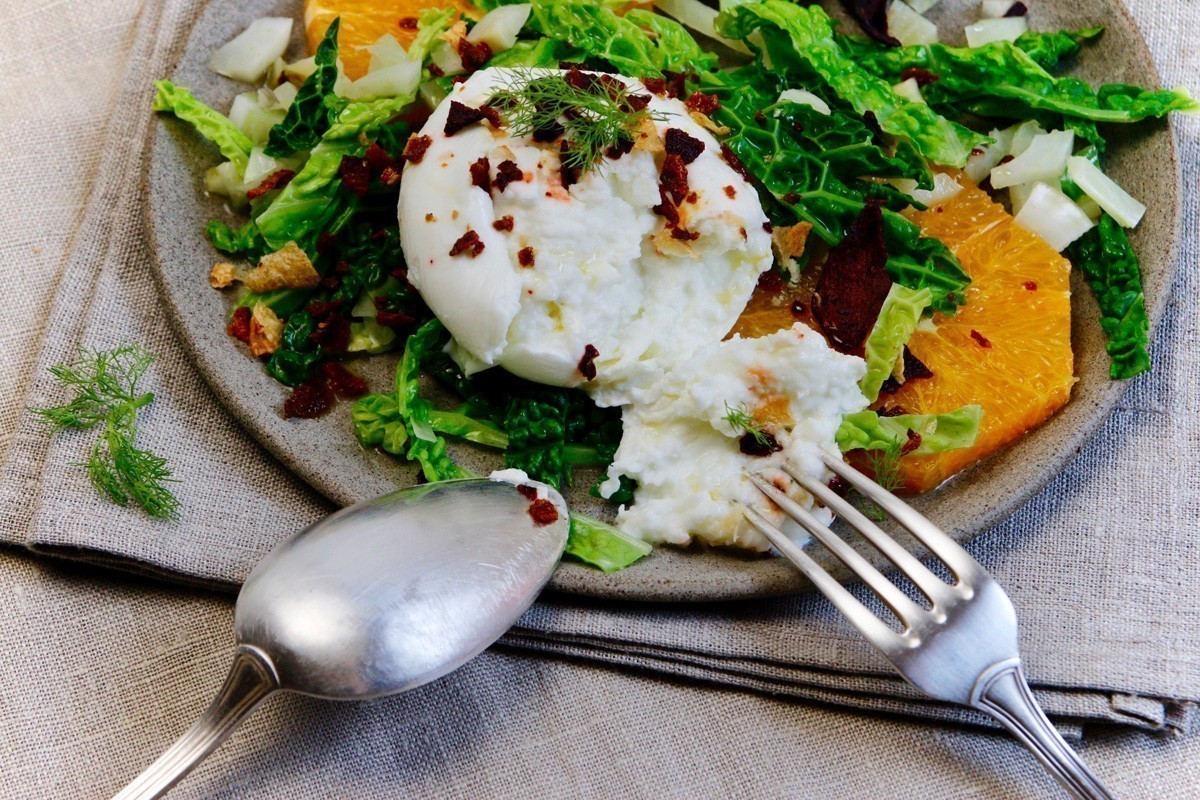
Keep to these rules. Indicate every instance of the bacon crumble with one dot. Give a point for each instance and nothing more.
(525, 256)
(473, 54)
(414, 151)
(481, 174)
(679, 143)
(587, 364)
(702, 103)
(504, 224)
(276, 180)
(506, 173)
(459, 116)
(468, 243)
(355, 174)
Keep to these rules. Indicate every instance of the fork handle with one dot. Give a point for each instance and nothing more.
(1004, 693)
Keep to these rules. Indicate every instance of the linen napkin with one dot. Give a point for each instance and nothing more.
(1102, 565)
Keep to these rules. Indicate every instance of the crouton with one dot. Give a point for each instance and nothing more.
(789, 241)
(646, 137)
(706, 122)
(222, 275)
(286, 268)
(266, 330)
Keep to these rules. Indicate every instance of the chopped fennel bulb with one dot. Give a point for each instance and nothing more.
(696, 15)
(995, 9)
(500, 26)
(223, 180)
(1044, 160)
(298, 71)
(944, 187)
(431, 93)
(987, 156)
(247, 56)
(921, 6)
(390, 81)
(285, 93)
(801, 97)
(908, 26)
(1052, 215)
(1089, 207)
(258, 167)
(447, 59)
(386, 52)
(910, 90)
(1017, 195)
(1022, 135)
(985, 31)
(248, 114)
(241, 106)
(1119, 204)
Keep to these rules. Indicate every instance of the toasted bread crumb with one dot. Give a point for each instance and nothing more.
(646, 137)
(287, 268)
(266, 330)
(789, 241)
(222, 275)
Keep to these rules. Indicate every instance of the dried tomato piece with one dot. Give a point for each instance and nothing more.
(914, 441)
(473, 54)
(525, 256)
(506, 173)
(702, 103)
(871, 16)
(853, 284)
(239, 324)
(635, 102)
(276, 180)
(731, 158)
(459, 116)
(587, 364)
(344, 383)
(492, 115)
(504, 224)
(674, 178)
(922, 76)
(332, 333)
(759, 444)
(355, 175)
(543, 512)
(679, 143)
(583, 81)
(309, 400)
(468, 243)
(666, 208)
(656, 85)
(415, 149)
(481, 174)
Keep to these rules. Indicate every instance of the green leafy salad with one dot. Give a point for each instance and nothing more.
(757, 149)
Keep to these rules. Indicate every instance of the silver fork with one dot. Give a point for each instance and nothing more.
(963, 649)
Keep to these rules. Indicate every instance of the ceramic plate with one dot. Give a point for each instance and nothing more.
(325, 453)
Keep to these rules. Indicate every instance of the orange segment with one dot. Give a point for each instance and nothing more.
(1008, 349)
(364, 21)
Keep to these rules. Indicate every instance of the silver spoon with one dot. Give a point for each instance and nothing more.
(376, 599)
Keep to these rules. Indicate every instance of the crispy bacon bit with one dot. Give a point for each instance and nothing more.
(344, 383)
(355, 175)
(414, 151)
(674, 84)
(684, 234)
(623, 146)
(914, 369)
(378, 159)
(666, 208)
(674, 177)
(922, 76)
(309, 400)
(525, 256)
(239, 324)
(276, 180)
(587, 364)
(408, 23)
(1017, 9)
(679, 143)
(762, 444)
(222, 275)
(459, 116)
(492, 115)
(983, 341)
(543, 512)
(1030, 286)
(506, 173)
(703, 103)
(481, 174)
(504, 224)
(468, 243)
(333, 333)
(914, 441)
(473, 54)
(853, 284)
(569, 173)
(635, 102)
(730, 192)
(734, 162)
(528, 492)
(770, 282)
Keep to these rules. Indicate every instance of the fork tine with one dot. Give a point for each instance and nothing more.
(960, 562)
(869, 625)
(929, 584)
(904, 608)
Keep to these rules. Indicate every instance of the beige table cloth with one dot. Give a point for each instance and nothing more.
(86, 655)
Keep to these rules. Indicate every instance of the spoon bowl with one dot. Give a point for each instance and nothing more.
(379, 598)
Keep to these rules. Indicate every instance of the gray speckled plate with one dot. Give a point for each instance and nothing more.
(326, 455)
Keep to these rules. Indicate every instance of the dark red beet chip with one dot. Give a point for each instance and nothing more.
(276, 180)
(239, 324)
(762, 444)
(459, 116)
(344, 383)
(587, 364)
(468, 243)
(871, 16)
(355, 175)
(678, 143)
(853, 284)
(414, 151)
(543, 512)
(309, 400)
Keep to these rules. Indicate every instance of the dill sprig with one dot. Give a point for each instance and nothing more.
(740, 419)
(105, 386)
(885, 468)
(594, 113)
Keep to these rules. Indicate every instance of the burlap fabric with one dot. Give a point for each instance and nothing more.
(1102, 565)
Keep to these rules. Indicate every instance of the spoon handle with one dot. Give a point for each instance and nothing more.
(250, 680)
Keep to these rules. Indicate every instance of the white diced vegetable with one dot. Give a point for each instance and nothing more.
(944, 187)
(341, 83)
(431, 93)
(1017, 195)
(274, 72)
(500, 26)
(241, 107)
(921, 6)
(1089, 206)
(1119, 204)
(699, 17)
(248, 56)
(447, 59)
(1044, 160)
(909, 27)
(1052, 215)
(910, 90)
(224, 180)
(987, 156)
(285, 93)
(393, 81)
(801, 97)
(995, 9)
(1023, 135)
(248, 114)
(298, 71)
(386, 52)
(259, 166)
(996, 30)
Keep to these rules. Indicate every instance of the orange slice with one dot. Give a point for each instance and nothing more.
(364, 21)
